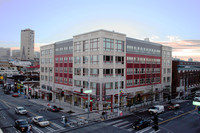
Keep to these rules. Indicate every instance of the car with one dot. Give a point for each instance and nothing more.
(53, 108)
(174, 106)
(197, 99)
(40, 121)
(16, 95)
(6, 92)
(156, 109)
(22, 125)
(140, 124)
(20, 110)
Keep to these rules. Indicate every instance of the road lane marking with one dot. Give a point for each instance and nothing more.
(113, 122)
(37, 129)
(160, 119)
(51, 129)
(121, 123)
(130, 129)
(176, 116)
(126, 125)
(58, 126)
(144, 130)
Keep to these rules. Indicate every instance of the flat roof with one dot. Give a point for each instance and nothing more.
(142, 41)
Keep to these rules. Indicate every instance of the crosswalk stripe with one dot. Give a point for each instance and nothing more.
(58, 126)
(130, 129)
(49, 128)
(113, 122)
(144, 130)
(126, 125)
(121, 123)
(37, 129)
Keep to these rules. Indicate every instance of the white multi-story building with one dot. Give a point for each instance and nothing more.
(166, 71)
(27, 45)
(46, 70)
(16, 54)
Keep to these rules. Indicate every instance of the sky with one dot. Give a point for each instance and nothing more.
(174, 23)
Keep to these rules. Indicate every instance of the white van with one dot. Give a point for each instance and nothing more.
(156, 109)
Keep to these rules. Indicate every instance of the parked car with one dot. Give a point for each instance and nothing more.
(156, 109)
(174, 106)
(53, 108)
(22, 125)
(16, 95)
(6, 92)
(40, 121)
(20, 110)
(140, 124)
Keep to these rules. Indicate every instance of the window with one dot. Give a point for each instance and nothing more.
(45, 78)
(50, 61)
(142, 60)
(50, 78)
(85, 71)
(70, 48)
(56, 60)
(129, 59)
(164, 70)
(65, 59)
(168, 79)
(129, 82)
(50, 69)
(129, 48)
(56, 70)
(85, 84)
(108, 44)
(85, 46)
(93, 85)
(61, 70)
(77, 60)
(70, 70)
(94, 59)
(61, 60)
(77, 82)
(70, 81)
(119, 72)
(136, 81)
(94, 72)
(42, 77)
(70, 59)
(142, 71)
(108, 72)
(65, 69)
(65, 80)
(46, 69)
(42, 69)
(119, 60)
(85, 59)
(77, 47)
(136, 59)
(168, 70)
(120, 84)
(119, 46)
(61, 79)
(129, 71)
(94, 46)
(136, 70)
(77, 71)
(164, 79)
(142, 81)
(56, 79)
(108, 59)
(108, 85)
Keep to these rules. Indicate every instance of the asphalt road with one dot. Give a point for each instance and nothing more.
(184, 120)
(8, 116)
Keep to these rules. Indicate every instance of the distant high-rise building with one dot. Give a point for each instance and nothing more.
(4, 53)
(27, 45)
(16, 54)
(190, 59)
(37, 54)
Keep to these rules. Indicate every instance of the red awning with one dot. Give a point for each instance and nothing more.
(86, 98)
(38, 66)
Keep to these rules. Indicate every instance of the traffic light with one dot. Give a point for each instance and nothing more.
(82, 90)
(155, 120)
(62, 93)
(199, 110)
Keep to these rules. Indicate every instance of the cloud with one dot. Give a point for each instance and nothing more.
(173, 38)
(184, 49)
(154, 37)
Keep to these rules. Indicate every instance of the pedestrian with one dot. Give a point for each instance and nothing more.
(103, 115)
(65, 121)
(29, 129)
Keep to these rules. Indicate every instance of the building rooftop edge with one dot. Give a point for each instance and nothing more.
(99, 30)
(133, 39)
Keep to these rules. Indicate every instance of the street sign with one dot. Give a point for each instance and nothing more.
(196, 103)
(87, 91)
